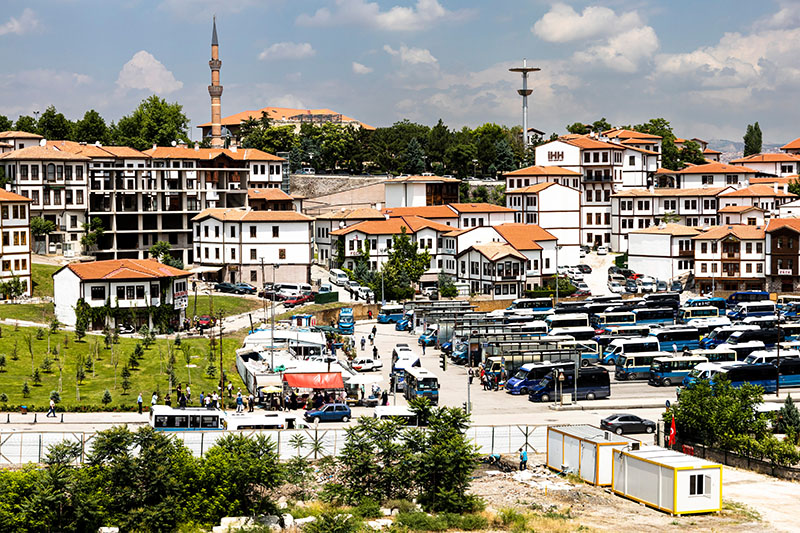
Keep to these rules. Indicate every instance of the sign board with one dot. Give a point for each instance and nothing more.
(784, 271)
(180, 300)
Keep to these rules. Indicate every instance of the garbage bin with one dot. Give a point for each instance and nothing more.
(23, 409)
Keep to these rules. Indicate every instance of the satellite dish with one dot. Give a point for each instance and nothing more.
(174, 143)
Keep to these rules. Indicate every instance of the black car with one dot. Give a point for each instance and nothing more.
(245, 288)
(631, 286)
(676, 286)
(585, 269)
(626, 423)
(225, 287)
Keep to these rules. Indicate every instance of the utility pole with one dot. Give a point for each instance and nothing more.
(272, 322)
(263, 283)
(557, 247)
(221, 367)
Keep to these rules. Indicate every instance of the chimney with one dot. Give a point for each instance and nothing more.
(233, 148)
(155, 146)
(196, 147)
(775, 187)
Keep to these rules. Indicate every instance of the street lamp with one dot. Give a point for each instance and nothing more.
(558, 247)
(272, 322)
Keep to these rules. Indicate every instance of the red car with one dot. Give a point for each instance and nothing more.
(299, 300)
(205, 321)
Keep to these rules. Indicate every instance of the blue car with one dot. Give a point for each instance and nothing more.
(330, 412)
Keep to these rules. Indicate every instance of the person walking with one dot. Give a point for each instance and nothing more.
(363, 342)
(369, 314)
(523, 459)
(239, 402)
(375, 352)
(188, 394)
(384, 397)
(423, 348)
(230, 390)
(139, 402)
(250, 402)
(471, 376)
(154, 399)
(53, 408)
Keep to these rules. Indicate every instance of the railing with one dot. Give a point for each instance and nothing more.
(686, 253)
(18, 447)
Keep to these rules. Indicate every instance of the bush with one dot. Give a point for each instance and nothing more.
(621, 260)
(368, 508)
(3, 397)
(402, 506)
(106, 397)
(334, 522)
(55, 396)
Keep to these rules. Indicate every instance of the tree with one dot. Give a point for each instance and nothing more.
(80, 328)
(447, 289)
(405, 255)
(789, 419)
(439, 140)
(504, 159)
(26, 123)
(691, 153)
(40, 228)
(91, 128)
(670, 217)
(54, 125)
(154, 122)
(752, 140)
(262, 135)
(414, 162)
(578, 128)
(160, 251)
(5, 123)
(459, 158)
(93, 231)
(106, 397)
(55, 396)
(37, 378)
(599, 126)
(26, 391)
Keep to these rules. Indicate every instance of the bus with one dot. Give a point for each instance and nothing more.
(789, 372)
(578, 333)
(706, 371)
(537, 304)
(570, 320)
(261, 420)
(603, 320)
(687, 314)
(533, 328)
(635, 365)
(765, 375)
(706, 325)
(718, 355)
(677, 339)
(390, 313)
(791, 332)
(627, 346)
(165, 418)
(593, 383)
(589, 349)
(421, 383)
(746, 296)
(664, 371)
(786, 299)
(530, 374)
(719, 303)
(662, 296)
(654, 315)
(399, 369)
(621, 332)
(720, 335)
(752, 309)
(346, 321)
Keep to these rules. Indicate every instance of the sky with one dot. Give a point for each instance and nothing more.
(709, 67)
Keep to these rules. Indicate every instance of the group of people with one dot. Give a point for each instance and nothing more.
(490, 380)
(183, 398)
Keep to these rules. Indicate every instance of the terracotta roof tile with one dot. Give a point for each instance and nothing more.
(740, 231)
(245, 214)
(393, 226)
(481, 207)
(585, 142)
(623, 133)
(757, 191)
(794, 145)
(710, 151)
(778, 223)
(280, 113)
(361, 213)
(524, 236)
(427, 211)
(781, 180)
(19, 135)
(715, 168)
(531, 189)
(537, 170)
(41, 153)
(767, 158)
(207, 154)
(125, 269)
(739, 209)
(678, 230)
(496, 250)
(661, 191)
(268, 194)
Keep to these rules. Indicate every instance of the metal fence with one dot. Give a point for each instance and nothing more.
(17, 448)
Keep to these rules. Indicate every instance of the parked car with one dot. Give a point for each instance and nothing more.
(646, 284)
(582, 292)
(268, 291)
(581, 286)
(616, 287)
(325, 287)
(630, 286)
(586, 269)
(614, 269)
(366, 364)
(206, 321)
(299, 300)
(676, 286)
(351, 286)
(365, 293)
(225, 287)
(330, 412)
(426, 292)
(661, 286)
(244, 288)
(626, 423)
(581, 254)
(602, 250)
(575, 274)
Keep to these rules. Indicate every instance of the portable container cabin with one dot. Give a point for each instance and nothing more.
(584, 450)
(667, 480)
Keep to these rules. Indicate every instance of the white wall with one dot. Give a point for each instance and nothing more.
(650, 254)
(66, 291)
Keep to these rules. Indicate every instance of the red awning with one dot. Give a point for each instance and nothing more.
(317, 380)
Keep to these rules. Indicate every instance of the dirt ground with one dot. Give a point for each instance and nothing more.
(597, 508)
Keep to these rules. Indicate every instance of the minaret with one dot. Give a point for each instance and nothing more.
(215, 91)
(524, 93)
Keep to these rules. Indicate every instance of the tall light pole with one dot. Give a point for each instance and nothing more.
(524, 93)
(557, 248)
(272, 322)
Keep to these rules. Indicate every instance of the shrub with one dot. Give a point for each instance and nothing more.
(106, 397)
(3, 397)
(368, 508)
(26, 390)
(55, 396)
(37, 377)
(402, 506)
(334, 522)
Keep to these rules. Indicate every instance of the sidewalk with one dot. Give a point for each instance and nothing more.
(640, 403)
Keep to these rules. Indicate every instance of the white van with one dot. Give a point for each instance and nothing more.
(769, 356)
(291, 290)
(338, 277)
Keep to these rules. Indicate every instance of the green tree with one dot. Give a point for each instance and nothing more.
(789, 418)
(41, 228)
(26, 123)
(91, 128)
(459, 158)
(439, 140)
(504, 159)
(262, 135)
(26, 391)
(93, 231)
(414, 162)
(160, 251)
(579, 128)
(670, 217)
(406, 255)
(80, 328)
(599, 126)
(5, 123)
(752, 140)
(154, 122)
(106, 399)
(447, 288)
(37, 378)
(54, 125)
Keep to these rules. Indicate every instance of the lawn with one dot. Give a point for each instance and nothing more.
(42, 313)
(229, 305)
(42, 276)
(151, 375)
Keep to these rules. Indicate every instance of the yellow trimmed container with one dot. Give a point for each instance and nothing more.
(584, 450)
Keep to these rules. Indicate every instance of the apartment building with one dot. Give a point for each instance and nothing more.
(15, 246)
(273, 199)
(792, 147)
(771, 164)
(56, 184)
(17, 140)
(665, 251)
(636, 209)
(762, 196)
(245, 245)
(493, 268)
(555, 208)
(730, 258)
(326, 223)
(708, 175)
(783, 247)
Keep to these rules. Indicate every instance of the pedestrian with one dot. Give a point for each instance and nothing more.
(202, 398)
(167, 400)
(371, 339)
(188, 394)
(230, 390)
(384, 398)
(239, 402)
(250, 401)
(154, 400)
(374, 331)
(207, 401)
(495, 382)
(375, 352)
(139, 402)
(182, 401)
(471, 376)
(53, 408)
(423, 348)
(523, 459)
(363, 342)
(215, 400)
(369, 314)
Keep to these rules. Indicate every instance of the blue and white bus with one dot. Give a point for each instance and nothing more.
(719, 303)
(537, 304)
(420, 383)
(720, 335)
(530, 374)
(752, 309)
(635, 365)
(687, 314)
(604, 320)
(579, 334)
(654, 315)
(570, 320)
(789, 371)
(165, 418)
(664, 371)
(746, 296)
(677, 339)
(390, 313)
(765, 375)
(791, 332)
(620, 347)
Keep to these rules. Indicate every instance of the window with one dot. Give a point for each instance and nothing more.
(598, 218)
(704, 247)
(699, 485)
(589, 195)
(98, 293)
(216, 253)
(732, 180)
(707, 180)
(607, 196)
(205, 231)
(34, 172)
(713, 247)
(252, 254)
(5, 212)
(23, 172)
(252, 232)
(759, 247)
(607, 219)
(130, 292)
(713, 267)
(233, 232)
(588, 219)
(759, 268)
(748, 248)
(631, 160)
(51, 172)
(605, 157)
(748, 268)
(275, 231)
(587, 157)
(216, 231)
(140, 292)
(253, 276)
(120, 292)
(206, 252)
(56, 196)
(281, 253)
(197, 231)
(233, 254)
(78, 172)
(690, 204)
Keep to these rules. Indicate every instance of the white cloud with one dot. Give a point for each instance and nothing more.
(144, 71)
(358, 68)
(425, 14)
(200, 10)
(26, 23)
(411, 56)
(563, 24)
(622, 52)
(787, 17)
(288, 100)
(287, 50)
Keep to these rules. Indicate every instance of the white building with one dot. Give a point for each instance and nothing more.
(636, 209)
(789, 210)
(493, 268)
(763, 196)
(730, 258)
(17, 140)
(15, 245)
(742, 214)
(792, 147)
(481, 214)
(326, 223)
(131, 285)
(254, 246)
(584, 450)
(555, 208)
(534, 175)
(781, 164)
(417, 191)
(708, 175)
(665, 252)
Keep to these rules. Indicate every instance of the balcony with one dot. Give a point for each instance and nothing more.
(686, 253)
(730, 256)
(605, 178)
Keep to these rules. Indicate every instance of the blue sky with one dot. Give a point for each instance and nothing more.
(709, 67)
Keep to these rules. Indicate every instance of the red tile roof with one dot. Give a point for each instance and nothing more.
(268, 194)
(779, 180)
(740, 231)
(19, 135)
(427, 211)
(125, 269)
(537, 170)
(41, 153)
(739, 209)
(778, 223)
(245, 214)
(678, 230)
(757, 190)
(393, 226)
(794, 145)
(496, 250)
(524, 236)
(531, 189)
(623, 133)
(585, 142)
(767, 158)
(207, 154)
(481, 207)
(715, 168)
